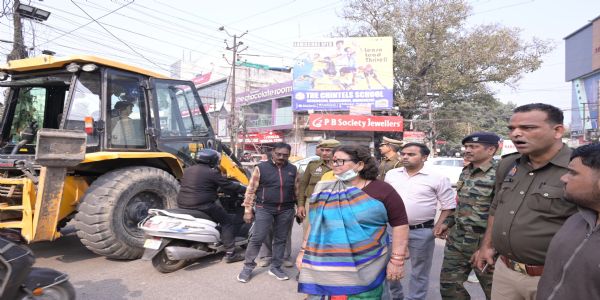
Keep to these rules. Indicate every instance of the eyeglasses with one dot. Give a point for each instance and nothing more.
(340, 162)
(383, 144)
(281, 154)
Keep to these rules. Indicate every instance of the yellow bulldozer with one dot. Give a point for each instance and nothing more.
(97, 142)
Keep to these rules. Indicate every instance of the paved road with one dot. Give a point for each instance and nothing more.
(96, 277)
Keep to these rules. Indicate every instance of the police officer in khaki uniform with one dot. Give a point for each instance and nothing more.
(312, 175)
(389, 156)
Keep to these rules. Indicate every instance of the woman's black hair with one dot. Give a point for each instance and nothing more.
(361, 153)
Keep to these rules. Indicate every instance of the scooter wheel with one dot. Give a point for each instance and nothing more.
(165, 265)
(61, 291)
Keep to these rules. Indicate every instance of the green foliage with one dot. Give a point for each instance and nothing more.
(435, 52)
(25, 112)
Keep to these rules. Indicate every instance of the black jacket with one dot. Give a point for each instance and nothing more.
(199, 186)
(276, 186)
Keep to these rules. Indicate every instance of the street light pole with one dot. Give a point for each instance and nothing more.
(232, 113)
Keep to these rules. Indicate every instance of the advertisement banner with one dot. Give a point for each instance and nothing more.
(274, 91)
(355, 123)
(413, 136)
(335, 74)
(262, 138)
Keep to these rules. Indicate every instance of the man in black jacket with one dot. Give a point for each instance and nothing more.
(199, 191)
(272, 188)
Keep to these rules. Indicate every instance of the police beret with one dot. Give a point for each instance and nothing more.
(482, 138)
(387, 140)
(331, 143)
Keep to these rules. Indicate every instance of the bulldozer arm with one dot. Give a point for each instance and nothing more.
(42, 206)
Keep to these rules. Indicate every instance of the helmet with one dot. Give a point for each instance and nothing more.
(208, 157)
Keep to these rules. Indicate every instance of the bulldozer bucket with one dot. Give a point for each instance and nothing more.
(56, 151)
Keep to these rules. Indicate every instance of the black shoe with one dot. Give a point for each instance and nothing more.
(278, 273)
(234, 257)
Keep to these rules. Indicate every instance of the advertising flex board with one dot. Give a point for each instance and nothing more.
(335, 74)
(414, 136)
(261, 138)
(355, 123)
(274, 91)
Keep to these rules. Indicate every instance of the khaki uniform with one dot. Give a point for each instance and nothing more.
(528, 210)
(313, 173)
(388, 164)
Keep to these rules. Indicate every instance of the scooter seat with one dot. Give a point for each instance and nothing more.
(192, 212)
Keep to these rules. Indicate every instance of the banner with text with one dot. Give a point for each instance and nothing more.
(274, 91)
(335, 74)
(355, 123)
(262, 138)
(414, 136)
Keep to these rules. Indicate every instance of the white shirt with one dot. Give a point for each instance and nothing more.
(421, 193)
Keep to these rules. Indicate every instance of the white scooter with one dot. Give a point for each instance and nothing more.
(176, 237)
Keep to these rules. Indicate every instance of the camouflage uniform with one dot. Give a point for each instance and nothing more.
(312, 175)
(475, 191)
(388, 164)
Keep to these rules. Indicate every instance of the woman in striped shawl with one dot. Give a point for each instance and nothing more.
(346, 252)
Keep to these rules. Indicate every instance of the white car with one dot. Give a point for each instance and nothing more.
(302, 163)
(450, 167)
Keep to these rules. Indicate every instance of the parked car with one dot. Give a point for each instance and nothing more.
(302, 163)
(450, 167)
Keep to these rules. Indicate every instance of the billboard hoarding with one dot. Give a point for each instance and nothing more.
(336, 74)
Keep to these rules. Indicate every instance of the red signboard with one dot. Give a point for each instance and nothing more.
(414, 135)
(200, 79)
(262, 138)
(355, 123)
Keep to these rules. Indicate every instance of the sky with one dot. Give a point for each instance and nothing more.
(156, 33)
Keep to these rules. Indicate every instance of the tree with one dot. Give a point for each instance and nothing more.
(435, 52)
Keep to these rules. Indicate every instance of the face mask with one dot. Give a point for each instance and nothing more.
(347, 176)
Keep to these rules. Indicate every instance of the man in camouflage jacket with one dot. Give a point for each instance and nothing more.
(465, 229)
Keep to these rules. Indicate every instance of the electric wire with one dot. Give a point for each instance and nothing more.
(88, 23)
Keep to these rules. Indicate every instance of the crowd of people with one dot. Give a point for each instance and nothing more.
(527, 225)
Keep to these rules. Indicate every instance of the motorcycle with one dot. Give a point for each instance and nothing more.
(177, 237)
(19, 280)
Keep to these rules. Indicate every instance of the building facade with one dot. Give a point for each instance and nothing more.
(582, 69)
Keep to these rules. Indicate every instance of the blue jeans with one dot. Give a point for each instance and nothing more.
(421, 244)
(265, 220)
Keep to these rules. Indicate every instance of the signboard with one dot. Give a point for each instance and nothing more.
(274, 91)
(200, 79)
(335, 74)
(355, 123)
(507, 147)
(414, 136)
(262, 138)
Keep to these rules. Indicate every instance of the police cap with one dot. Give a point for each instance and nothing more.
(331, 143)
(482, 138)
(387, 140)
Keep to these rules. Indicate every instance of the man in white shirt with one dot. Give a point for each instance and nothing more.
(421, 191)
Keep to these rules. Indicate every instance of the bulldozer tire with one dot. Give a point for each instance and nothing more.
(108, 216)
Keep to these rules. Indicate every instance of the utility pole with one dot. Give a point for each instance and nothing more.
(19, 50)
(432, 121)
(232, 114)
